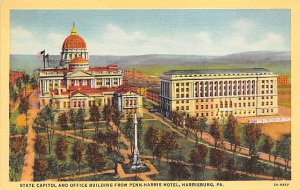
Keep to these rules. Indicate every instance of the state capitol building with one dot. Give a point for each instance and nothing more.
(74, 84)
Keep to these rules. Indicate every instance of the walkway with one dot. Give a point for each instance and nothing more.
(27, 172)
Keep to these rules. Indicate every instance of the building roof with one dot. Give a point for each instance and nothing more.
(74, 40)
(157, 90)
(217, 71)
(78, 60)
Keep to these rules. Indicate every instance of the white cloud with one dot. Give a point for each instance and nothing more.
(114, 40)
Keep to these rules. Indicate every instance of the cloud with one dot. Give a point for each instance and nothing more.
(25, 42)
(115, 40)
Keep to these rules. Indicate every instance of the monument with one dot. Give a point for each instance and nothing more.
(136, 156)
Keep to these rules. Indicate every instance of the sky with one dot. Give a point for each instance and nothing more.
(137, 32)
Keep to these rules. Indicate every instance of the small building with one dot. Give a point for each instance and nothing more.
(14, 76)
(282, 80)
(153, 94)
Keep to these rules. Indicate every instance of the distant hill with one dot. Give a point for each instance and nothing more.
(30, 62)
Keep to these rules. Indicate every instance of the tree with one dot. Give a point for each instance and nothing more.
(99, 138)
(168, 143)
(230, 132)
(111, 140)
(284, 151)
(24, 106)
(80, 120)
(63, 121)
(77, 153)
(192, 125)
(252, 134)
(151, 139)
(140, 133)
(13, 95)
(201, 126)
(250, 165)
(95, 116)
(176, 117)
(48, 117)
(217, 159)
(40, 145)
(73, 119)
(61, 149)
(33, 82)
(25, 80)
(268, 145)
(40, 168)
(94, 158)
(179, 171)
(17, 147)
(107, 113)
(19, 84)
(129, 131)
(215, 131)
(198, 157)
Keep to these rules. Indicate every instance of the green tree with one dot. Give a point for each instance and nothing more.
(40, 168)
(217, 159)
(192, 126)
(198, 157)
(117, 116)
(284, 151)
(25, 80)
(268, 145)
(201, 126)
(40, 145)
(107, 113)
(73, 119)
(95, 116)
(24, 106)
(151, 139)
(168, 143)
(129, 131)
(80, 120)
(251, 164)
(252, 134)
(140, 132)
(179, 171)
(94, 158)
(63, 121)
(77, 153)
(13, 95)
(33, 82)
(215, 131)
(61, 149)
(19, 84)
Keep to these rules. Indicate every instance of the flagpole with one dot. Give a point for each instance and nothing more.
(44, 60)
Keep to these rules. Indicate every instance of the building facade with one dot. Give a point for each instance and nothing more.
(219, 93)
(153, 94)
(283, 80)
(75, 84)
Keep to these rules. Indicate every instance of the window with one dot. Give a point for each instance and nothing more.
(211, 106)
(262, 103)
(271, 103)
(182, 107)
(177, 102)
(187, 84)
(206, 107)
(177, 84)
(206, 114)
(197, 107)
(177, 89)
(201, 106)
(187, 108)
(177, 108)
(182, 101)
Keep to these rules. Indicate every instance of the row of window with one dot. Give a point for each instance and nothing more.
(226, 113)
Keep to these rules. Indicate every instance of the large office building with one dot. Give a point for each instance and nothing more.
(219, 93)
(74, 84)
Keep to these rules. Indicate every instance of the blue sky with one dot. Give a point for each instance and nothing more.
(135, 32)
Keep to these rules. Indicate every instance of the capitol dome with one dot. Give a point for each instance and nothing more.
(73, 46)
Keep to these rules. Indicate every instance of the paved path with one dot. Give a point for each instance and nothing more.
(241, 151)
(27, 172)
